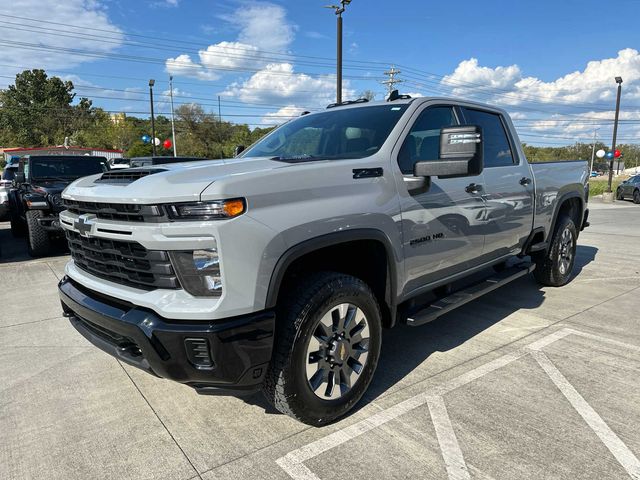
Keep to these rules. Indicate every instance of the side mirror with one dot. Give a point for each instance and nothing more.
(461, 154)
(238, 150)
(19, 178)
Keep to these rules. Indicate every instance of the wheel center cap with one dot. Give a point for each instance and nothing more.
(339, 350)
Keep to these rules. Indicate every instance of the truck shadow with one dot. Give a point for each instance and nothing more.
(404, 348)
(14, 249)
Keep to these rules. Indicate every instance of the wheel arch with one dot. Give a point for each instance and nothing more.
(571, 203)
(380, 273)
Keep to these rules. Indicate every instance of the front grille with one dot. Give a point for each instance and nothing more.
(127, 175)
(127, 263)
(118, 211)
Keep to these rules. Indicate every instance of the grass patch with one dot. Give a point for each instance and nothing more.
(598, 185)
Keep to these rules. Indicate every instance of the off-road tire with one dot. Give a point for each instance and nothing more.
(38, 241)
(548, 263)
(636, 196)
(286, 386)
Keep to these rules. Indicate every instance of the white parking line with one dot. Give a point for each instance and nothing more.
(616, 446)
(451, 453)
(292, 463)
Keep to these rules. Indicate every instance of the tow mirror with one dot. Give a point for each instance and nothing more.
(238, 150)
(461, 154)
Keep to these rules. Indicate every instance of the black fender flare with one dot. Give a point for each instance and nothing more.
(556, 211)
(328, 240)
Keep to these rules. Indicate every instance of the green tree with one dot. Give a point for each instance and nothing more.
(36, 110)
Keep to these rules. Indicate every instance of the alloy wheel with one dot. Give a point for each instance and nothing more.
(337, 351)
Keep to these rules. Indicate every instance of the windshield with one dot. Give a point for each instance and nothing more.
(334, 134)
(121, 161)
(66, 168)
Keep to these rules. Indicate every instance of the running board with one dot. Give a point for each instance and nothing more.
(461, 297)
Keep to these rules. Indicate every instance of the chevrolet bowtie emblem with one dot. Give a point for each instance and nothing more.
(84, 224)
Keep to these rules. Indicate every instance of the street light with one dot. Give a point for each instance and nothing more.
(153, 123)
(615, 132)
(339, 9)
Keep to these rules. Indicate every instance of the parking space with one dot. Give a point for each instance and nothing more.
(526, 382)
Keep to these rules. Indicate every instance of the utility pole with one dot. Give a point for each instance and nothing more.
(391, 82)
(173, 126)
(339, 10)
(615, 131)
(153, 122)
(593, 151)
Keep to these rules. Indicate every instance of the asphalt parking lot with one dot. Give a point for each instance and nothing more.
(526, 382)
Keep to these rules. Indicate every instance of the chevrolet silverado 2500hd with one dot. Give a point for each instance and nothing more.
(278, 270)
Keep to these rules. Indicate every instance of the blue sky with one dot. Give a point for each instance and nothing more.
(549, 63)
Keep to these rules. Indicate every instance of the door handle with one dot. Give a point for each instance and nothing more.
(473, 188)
(525, 181)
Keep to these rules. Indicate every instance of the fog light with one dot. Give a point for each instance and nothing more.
(199, 271)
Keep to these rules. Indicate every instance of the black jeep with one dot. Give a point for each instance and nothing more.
(35, 200)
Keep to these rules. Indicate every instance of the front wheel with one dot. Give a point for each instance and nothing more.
(327, 348)
(554, 267)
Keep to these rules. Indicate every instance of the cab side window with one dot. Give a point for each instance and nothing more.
(423, 141)
(497, 151)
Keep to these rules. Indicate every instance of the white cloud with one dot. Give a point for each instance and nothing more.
(182, 65)
(264, 25)
(569, 106)
(283, 115)
(278, 83)
(79, 13)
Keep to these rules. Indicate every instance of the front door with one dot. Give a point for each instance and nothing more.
(439, 221)
(508, 189)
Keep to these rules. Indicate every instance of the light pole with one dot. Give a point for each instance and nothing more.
(153, 122)
(593, 151)
(339, 9)
(173, 125)
(615, 132)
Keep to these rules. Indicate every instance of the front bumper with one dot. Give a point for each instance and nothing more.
(234, 360)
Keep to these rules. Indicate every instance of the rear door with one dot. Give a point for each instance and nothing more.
(509, 188)
(439, 231)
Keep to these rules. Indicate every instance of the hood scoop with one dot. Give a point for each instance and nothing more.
(127, 176)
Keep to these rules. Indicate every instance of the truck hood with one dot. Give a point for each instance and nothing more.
(177, 182)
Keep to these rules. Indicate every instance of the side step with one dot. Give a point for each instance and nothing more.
(461, 297)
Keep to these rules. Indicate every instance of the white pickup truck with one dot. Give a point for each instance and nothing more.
(279, 270)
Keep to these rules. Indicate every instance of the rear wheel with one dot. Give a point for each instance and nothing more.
(636, 196)
(554, 267)
(619, 194)
(37, 237)
(327, 348)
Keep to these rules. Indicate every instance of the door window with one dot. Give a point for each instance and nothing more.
(423, 141)
(497, 151)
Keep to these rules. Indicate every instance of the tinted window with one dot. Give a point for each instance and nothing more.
(334, 134)
(497, 152)
(423, 141)
(65, 168)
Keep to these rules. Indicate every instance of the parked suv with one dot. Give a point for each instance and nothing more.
(36, 200)
(279, 270)
(6, 180)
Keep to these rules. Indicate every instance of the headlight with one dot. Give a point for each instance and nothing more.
(213, 210)
(199, 271)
